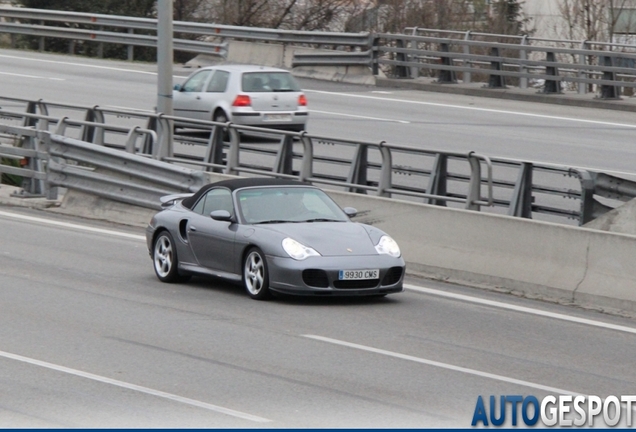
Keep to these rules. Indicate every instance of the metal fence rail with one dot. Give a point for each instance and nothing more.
(465, 180)
(499, 60)
(446, 58)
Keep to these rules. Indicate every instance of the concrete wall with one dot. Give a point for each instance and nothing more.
(280, 55)
(570, 265)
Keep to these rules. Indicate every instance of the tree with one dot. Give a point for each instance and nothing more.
(508, 18)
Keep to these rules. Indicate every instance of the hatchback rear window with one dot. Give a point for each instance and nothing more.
(255, 82)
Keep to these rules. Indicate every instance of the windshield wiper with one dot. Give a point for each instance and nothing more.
(322, 220)
(274, 221)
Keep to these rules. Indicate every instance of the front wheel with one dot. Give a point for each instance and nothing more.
(256, 275)
(165, 260)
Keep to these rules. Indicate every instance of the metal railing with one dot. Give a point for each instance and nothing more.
(213, 34)
(507, 186)
(499, 60)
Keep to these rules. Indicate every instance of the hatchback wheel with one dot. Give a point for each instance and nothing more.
(165, 260)
(256, 275)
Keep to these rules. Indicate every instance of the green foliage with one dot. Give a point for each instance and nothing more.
(10, 179)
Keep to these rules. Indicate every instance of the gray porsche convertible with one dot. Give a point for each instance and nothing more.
(272, 235)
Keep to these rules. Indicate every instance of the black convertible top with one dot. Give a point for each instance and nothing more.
(239, 183)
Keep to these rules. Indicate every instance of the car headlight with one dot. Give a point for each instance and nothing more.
(298, 251)
(388, 246)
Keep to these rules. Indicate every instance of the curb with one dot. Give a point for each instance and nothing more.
(588, 100)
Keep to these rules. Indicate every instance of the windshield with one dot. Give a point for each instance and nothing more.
(288, 204)
(255, 82)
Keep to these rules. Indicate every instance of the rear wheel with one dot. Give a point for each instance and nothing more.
(165, 260)
(256, 275)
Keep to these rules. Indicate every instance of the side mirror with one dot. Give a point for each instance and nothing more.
(221, 215)
(177, 87)
(350, 211)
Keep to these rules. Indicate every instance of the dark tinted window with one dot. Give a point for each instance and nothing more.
(255, 82)
(218, 83)
(216, 199)
(196, 81)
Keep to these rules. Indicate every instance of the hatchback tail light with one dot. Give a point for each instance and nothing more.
(242, 101)
(302, 100)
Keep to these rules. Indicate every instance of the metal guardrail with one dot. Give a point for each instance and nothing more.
(445, 54)
(508, 186)
(114, 174)
(98, 23)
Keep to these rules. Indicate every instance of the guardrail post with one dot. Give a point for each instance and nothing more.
(375, 43)
(131, 140)
(609, 91)
(474, 186)
(31, 187)
(587, 197)
(31, 108)
(87, 133)
(523, 55)
(415, 71)
(401, 71)
(214, 150)
(466, 76)
(358, 170)
(582, 87)
(437, 180)
(164, 132)
(41, 40)
(285, 155)
(496, 80)
(100, 45)
(446, 76)
(521, 201)
(306, 170)
(131, 48)
(551, 86)
(386, 172)
(233, 154)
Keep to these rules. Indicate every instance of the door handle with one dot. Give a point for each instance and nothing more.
(192, 228)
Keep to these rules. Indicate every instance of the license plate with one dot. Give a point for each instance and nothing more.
(359, 274)
(277, 117)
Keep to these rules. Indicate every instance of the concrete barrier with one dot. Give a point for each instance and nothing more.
(280, 55)
(564, 264)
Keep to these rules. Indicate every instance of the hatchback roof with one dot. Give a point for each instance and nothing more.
(245, 68)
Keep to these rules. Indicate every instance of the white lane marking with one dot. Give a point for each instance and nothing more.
(523, 309)
(72, 225)
(141, 110)
(79, 64)
(361, 117)
(32, 76)
(381, 92)
(441, 365)
(411, 287)
(82, 65)
(135, 387)
(490, 110)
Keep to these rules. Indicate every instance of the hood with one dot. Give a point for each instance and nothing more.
(329, 238)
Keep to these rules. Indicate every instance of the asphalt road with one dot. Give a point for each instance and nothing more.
(583, 137)
(90, 338)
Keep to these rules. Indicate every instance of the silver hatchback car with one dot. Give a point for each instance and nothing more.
(245, 95)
